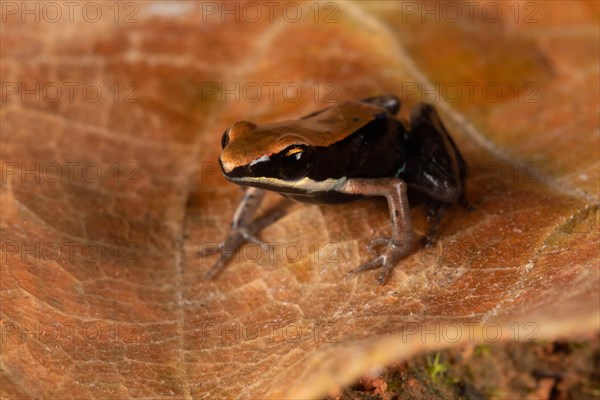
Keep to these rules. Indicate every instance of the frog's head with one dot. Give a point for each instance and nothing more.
(274, 156)
(292, 156)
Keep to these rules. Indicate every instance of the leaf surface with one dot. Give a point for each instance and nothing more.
(107, 198)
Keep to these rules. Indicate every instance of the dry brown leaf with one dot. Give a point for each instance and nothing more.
(109, 191)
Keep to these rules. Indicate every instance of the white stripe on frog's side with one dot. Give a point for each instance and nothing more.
(306, 185)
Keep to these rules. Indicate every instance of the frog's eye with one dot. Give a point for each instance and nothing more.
(296, 162)
(225, 138)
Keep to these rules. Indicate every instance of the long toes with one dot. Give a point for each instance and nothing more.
(388, 259)
(215, 269)
(374, 263)
(385, 274)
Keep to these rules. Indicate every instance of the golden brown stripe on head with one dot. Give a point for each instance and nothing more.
(249, 142)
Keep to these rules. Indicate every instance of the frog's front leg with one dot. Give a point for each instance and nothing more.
(245, 211)
(398, 246)
(242, 229)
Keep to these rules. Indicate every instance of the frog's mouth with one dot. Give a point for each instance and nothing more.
(257, 175)
(302, 186)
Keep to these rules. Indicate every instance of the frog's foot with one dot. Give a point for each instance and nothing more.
(388, 259)
(229, 247)
(234, 240)
(235, 235)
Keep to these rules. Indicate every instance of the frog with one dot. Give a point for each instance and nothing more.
(352, 150)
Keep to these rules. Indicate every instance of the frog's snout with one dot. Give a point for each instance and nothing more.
(223, 166)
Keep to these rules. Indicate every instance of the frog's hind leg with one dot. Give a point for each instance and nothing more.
(425, 116)
(436, 170)
(439, 169)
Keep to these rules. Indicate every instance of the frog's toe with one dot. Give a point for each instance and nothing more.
(388, 259)
(391, 257)
(385, 274)
(227, 249)
(215, 269)
(374, 263)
